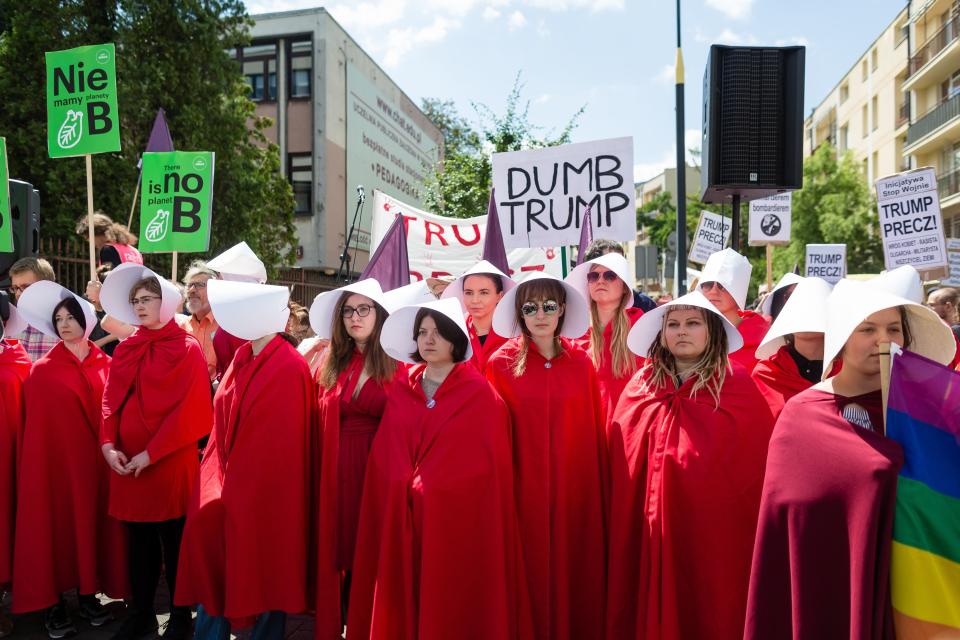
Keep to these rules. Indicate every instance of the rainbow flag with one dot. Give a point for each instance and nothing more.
(923, 415)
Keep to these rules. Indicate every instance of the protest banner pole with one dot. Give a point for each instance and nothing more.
(884, 380)
(769, 268)
(93, 261)
(173, 277)
(133, 205)
(563, 259)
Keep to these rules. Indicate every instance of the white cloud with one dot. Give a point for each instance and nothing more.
(643, 171)
(543, 98)
(792, 40)
(516, 21)
(369, 15)
(491, 13)
(400, 42)
(666, 74)
(735, 9)
(565, 5)
(727, 36)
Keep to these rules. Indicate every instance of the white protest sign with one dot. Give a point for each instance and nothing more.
(541, 194)
(713, 231)
(827, 261)
(953, 258)
(440, 246)
(770, 220)
(910, 222)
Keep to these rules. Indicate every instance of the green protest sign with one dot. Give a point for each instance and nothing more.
(6, 226)
(82, 116)
(176, 201)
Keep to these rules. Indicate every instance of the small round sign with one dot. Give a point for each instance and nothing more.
(199, 164)
(103, 56)
(770, 224)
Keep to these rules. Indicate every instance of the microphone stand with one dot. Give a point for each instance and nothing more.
(345, 256)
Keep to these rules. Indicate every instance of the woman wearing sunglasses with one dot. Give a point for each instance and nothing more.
(605, 283)
(479, 290)
(354, 378)
(559, 453)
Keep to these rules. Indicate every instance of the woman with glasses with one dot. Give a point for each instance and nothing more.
(354, 379)
(156, 406)
(559, 451)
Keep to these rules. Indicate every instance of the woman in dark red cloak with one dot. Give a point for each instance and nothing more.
(560, 469)
(687, 450)
(437, 553)
(821, 564)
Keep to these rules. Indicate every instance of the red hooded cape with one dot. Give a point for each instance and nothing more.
(14, 367)
(753, 327)
(482, 353)
(438, 554)
(821, 565)
(611, 387)
(225, 345)
(157, 399)
(561, 480)
(65, 539)
(779, 379)
(245, 544)
(686, 480)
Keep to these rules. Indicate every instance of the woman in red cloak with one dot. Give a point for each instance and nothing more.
(65, 538)
(437, 552)
(821, 564)
(560, 467)
(687, 451)
(354, 379)
(245, 546)
(156, 406)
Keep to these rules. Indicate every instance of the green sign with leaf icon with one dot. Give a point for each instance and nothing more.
(176, 201)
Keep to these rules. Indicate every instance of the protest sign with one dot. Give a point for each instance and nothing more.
(440, 246)
(827, 261)
(770, 220)
(713, 231)
(82, 116)
(953, 258)
(6, 224)
(910, 221)
(176, 201)
(542, 193)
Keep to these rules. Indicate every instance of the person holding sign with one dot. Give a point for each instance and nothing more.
(438, 554)
(559, 452)
(831, 480)
(65, 538)
(113, 241)
(354, 378)
(724, 282)
(688, 444)
(156, 406)
(772, 303)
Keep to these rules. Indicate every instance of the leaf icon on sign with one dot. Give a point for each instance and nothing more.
(71, 130)
(157, 228)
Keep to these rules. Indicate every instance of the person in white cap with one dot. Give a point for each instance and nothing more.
(724, 282)
(772, 304)
(822, 556)
(605, 283)
(791, 354)
(156, 406)
(354, 379)
(246, 543)
(687, 451)
(556, 412)
(479, 290)
(437, 552)
(65, 538)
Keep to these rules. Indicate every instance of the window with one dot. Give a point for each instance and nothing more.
(844, 92)
(301, 68)
(873, 60)
(259, 64)
(863, 70)
(300, 173)
(864, 114)
(844, 138)
(950, 87)
(903, 32)
(876, 111)
(876, 165)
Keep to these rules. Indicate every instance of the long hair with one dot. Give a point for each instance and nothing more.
(114, 232)
(710, 369)
(623, 364)
(378, 365)
(536, 290)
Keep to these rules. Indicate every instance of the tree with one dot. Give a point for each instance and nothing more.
(170, 54)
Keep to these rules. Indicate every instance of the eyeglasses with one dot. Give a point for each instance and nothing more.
(196, 285)
(362, 310)
(15, 289)
(145, 300)
(707, 286)
(550, 307)
(594, 276)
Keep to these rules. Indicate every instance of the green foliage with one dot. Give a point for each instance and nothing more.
(659, 217)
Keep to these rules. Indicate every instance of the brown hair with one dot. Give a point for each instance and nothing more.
(103, 226)
(710, 369)
(74, 309)
(447, 329)
(37, 266)
(540, 289)
(624, 364)
(378, 365)
(150, 283)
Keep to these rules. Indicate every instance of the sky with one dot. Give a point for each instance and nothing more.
(616, 57)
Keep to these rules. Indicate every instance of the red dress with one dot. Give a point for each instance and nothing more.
(246, 545)
(437, 553)
(686, 480)
(753, 327)
(157, 399)
(561, 480)
(611, 387)
(482, 352)
(14, 368)
(779, 379)
(65, 538)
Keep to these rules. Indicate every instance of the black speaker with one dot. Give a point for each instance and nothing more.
(752, 122)
(25, 220)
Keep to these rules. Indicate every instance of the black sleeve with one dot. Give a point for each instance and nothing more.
(109, 255)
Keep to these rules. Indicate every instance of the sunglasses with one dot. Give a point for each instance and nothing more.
(707, 286)
(550, 307)
(362, 310)
(594, 276)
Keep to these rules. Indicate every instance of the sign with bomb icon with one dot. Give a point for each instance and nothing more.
(82, 116)
(176, 201)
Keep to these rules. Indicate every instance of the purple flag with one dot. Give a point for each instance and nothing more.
(586, 235)
(493, 251)
(389, 264)
(160, 139)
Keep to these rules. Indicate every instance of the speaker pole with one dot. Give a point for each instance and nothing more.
(681, 173)
(735, 223)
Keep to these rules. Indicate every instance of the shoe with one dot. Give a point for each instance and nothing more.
(180, 625)
(136, 626)
(94, 612)
(58, 623)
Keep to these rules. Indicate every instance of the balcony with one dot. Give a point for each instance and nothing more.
(948, 184)
(938, 42)
(903, 114)
(941, 115)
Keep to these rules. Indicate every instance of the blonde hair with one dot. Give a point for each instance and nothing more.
(378, 365)
(540, 289)
(623, 362)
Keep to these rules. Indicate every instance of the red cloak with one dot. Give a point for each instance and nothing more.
(779, 379)
(65, 538)
(157, 399)
(245, 543)
(482, 352)
(686, 480)
(437, 553)
(821, 564)
(611, 387)
(753, 327)
(225, 345)
(561, 480)
(14, 368)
